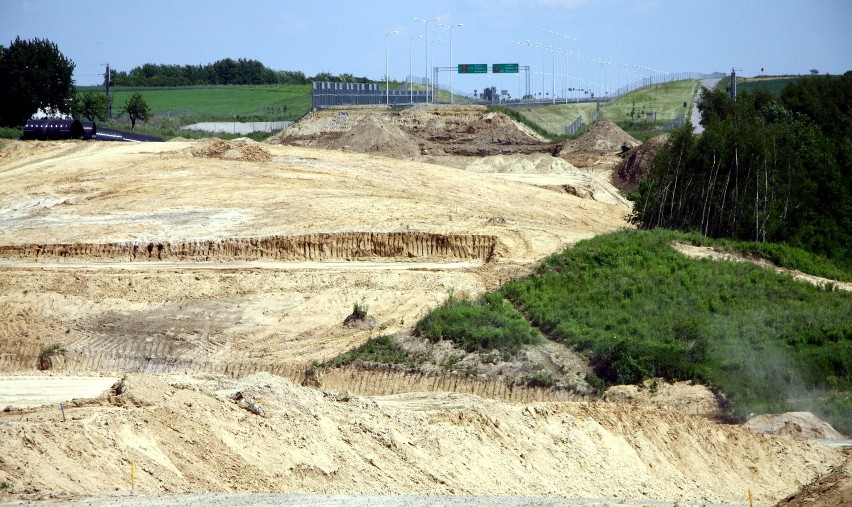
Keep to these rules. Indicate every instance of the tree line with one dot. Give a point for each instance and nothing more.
(35, 75)
(221, 72)
(766, 168)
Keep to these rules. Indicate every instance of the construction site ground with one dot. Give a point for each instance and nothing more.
(173, 297)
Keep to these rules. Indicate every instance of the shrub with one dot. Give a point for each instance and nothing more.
(381, 349)
(487, 324)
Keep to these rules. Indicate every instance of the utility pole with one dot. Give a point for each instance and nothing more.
(108, 83)
(733, 86)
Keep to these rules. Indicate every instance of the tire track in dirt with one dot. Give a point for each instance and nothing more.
(379, 380)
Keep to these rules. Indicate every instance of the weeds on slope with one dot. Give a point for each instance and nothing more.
(638, 309)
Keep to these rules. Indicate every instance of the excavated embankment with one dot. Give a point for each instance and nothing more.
(311, 247)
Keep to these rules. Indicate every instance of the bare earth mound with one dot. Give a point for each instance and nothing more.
(603, 136)
(162, 256)
(263, 433)
(459, 130)
(372, 135)
(802, 425)
(638, 163)
(205, 267)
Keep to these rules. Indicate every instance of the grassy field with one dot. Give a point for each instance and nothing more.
(222, 102)
(774, 85)
(666, 100)
(639, 309)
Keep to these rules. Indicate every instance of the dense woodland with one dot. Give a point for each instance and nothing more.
(221, 72)
(767, 169)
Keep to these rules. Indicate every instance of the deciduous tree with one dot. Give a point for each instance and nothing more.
(90, 105)
(34, 75)
(137, 109)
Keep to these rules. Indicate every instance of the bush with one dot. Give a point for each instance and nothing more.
(359, 311)
(639, 309)
(487, 324)
(376, 350)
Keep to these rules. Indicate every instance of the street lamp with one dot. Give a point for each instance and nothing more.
(543, 48)
(451, 55)
(552, 65)
(520, 45)
(426, 60)
(432, 83)
(567, 38)
(410, 88)
(387, 78)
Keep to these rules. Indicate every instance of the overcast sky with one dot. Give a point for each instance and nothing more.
(349, 36)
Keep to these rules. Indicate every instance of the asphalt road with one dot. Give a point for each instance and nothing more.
(696, 117)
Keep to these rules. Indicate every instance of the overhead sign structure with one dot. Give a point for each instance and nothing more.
(473, 68)
(504, 68)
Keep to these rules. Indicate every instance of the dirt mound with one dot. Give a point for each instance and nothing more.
(803, 425)
(832, 490)
(375, 135)
(683, 397)
(536, 163)
(604, 136)
(238, 149)
(263, 433)
(435, 131)
(637, 163)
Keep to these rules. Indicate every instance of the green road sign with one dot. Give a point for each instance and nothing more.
(473, 68)
(504, 68)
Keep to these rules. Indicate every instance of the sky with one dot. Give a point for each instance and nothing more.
(600, 44)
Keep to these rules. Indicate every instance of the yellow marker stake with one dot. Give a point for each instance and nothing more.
(750, 504)
(133, 476)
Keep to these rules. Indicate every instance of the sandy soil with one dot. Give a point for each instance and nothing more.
(263, 433)
(95, 199)
(199, 267)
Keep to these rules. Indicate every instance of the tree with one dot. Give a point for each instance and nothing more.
(137, 109)
(34, 75)
(814, 72)
(90, 106)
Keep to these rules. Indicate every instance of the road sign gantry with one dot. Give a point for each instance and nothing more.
(473, 68)
(504, 68)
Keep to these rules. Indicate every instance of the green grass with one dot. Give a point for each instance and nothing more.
(220, 102)
(474, 326)
(10, 132)
(552, 120)
(376, 350)
(774, 85)
(665, 99)
(528, 120)
(638, 309)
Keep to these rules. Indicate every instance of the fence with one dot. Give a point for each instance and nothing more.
(574, 127)
(328, 94)
(673, 124)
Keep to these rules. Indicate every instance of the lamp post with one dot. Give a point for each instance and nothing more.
(567, 38)
(543, 47)
(410, 88)
(520, 45)
(432, 83)
(451, 56)
(552, 65)
(387, 78)
(426, 60)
